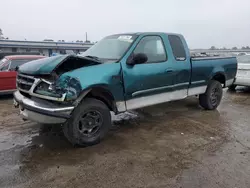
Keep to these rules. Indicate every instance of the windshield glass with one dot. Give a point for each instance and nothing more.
(4, 64)
(17, 62)
(243, 59)
(111, 48)
(2, 61)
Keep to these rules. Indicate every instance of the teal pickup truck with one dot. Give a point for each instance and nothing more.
(119, 73)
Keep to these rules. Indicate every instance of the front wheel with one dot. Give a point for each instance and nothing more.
(89, 123)
(211, 99)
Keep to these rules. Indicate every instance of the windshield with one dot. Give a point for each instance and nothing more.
(111, 48)
(2, 61)
(243, 59)
(4, 64)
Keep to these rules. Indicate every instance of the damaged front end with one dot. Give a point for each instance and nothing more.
(47, 79)
(49, 98)
(64, 89)
(46, 101)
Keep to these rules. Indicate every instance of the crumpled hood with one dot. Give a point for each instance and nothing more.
(42, 66)
(99, 74)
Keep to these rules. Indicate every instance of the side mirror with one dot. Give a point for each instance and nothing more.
(14, 69)
(137, 59)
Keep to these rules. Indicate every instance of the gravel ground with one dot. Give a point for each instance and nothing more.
(176, 144)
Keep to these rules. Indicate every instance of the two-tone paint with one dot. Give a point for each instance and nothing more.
(141, 85)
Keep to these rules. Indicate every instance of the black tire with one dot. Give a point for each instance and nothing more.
(89, 113)
(211, 99)
(232, 87)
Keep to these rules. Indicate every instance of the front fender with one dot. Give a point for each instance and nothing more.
(89, 89)
(107, 76)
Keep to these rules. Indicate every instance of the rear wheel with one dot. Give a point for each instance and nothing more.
(212, 98)
(89, 123)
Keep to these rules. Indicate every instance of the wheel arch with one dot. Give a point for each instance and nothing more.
(100, 92)
(220, 77)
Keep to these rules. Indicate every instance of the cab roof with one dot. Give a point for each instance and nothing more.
(148, 33)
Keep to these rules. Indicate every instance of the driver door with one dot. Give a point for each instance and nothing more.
(151, 82)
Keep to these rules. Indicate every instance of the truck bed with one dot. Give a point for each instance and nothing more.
(204, 68)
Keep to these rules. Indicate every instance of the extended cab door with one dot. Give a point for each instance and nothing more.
(149, 83)
(180, 58)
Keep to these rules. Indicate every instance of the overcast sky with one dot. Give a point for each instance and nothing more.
(203, 23)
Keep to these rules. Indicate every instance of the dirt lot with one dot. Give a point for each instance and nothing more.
(176, 144)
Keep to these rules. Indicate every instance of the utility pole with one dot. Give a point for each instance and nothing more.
(86, 37)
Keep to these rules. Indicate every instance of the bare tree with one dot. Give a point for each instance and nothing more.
(213, 48)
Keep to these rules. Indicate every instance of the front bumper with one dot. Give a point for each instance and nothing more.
(40, 111)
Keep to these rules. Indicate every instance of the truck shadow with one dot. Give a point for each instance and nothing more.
(6, 97)
(52, 137)
(240, 90)
(239, 96)
(149, 129)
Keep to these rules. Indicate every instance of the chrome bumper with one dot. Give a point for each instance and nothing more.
(38, 111)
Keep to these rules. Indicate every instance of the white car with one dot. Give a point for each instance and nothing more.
(243, 73)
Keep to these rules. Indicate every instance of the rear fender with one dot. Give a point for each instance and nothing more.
(218, 75)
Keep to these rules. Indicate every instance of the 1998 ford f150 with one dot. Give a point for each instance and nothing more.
(121, 72)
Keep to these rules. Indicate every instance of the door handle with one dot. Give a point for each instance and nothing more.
(169, 70)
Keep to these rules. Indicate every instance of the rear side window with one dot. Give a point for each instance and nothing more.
(17, 62)
(177, 47)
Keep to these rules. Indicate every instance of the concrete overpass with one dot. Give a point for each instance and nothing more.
(48, 47)
(43, 47)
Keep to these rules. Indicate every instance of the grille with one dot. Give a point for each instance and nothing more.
(24, 82)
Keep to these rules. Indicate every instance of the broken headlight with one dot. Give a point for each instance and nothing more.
(44, 88)
(70, 86)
